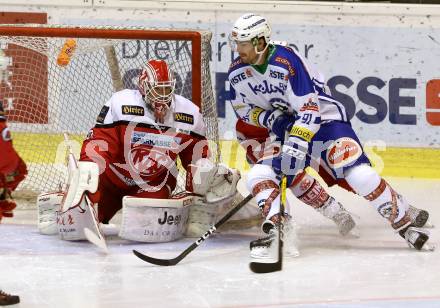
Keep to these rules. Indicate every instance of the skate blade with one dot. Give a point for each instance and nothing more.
(428, 247)
(428, 225)
(353, 233)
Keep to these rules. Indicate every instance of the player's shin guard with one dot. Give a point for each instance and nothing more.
(310, 191)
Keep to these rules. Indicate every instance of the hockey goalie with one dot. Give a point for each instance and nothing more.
(130, 161)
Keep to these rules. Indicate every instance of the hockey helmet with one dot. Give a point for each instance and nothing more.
(249, 27)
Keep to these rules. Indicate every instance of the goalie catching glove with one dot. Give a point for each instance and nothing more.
(217, 184)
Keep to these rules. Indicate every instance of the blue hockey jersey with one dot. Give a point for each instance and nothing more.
(287, 82)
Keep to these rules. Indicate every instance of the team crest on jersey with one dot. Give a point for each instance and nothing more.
(248, 72)
(155, 140)
(102, 114)
(342, 152)
(133, 110)
(148, 162)
(184, 118)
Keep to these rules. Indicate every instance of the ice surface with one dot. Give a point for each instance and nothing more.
(376, 270)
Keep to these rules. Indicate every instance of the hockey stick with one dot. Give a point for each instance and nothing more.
(265, 267)
(94, 238)
(169, 262)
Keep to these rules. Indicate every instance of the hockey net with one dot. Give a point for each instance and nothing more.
(44, 99)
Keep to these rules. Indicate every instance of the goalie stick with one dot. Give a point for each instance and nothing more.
(95, 238)
(174, 261)
(264, 267)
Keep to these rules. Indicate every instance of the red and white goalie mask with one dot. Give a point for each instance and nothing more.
(157, 84)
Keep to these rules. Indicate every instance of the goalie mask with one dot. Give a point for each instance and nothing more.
(157, 84)
(247, 31)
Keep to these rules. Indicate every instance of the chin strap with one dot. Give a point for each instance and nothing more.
(260, 55)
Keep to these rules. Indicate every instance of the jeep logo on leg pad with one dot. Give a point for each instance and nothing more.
(169, 219)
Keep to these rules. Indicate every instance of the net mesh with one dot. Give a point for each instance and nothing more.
(43, 99)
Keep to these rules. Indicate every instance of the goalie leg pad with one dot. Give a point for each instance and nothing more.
(48, 204)
(154, 220)
(71, 223)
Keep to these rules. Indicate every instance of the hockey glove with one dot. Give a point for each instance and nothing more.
(279, 122)
(292, 159)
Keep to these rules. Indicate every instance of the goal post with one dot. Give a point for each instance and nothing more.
(48, 94)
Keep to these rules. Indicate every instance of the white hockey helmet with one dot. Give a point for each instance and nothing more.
(249, 27)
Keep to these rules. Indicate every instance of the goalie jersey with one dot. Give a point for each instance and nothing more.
(132, 149)
(284, 82)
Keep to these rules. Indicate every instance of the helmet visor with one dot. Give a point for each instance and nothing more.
(237, 45)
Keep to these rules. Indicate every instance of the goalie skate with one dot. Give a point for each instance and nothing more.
(265, 249)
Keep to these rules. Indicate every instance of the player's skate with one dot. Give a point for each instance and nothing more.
(342, 218)
(8, 299)
(419, 218)
(416, 238)
(265, 249)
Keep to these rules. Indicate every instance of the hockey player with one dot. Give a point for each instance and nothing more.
(134, 147)
(259, 146)
(12, 168)
(273, 87)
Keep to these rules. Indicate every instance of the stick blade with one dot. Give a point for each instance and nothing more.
(161, 262)
(263, 268)
(269, 267)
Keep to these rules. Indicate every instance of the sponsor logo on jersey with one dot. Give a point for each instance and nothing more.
(235, 63)
(155, 140)
(102, 114)
(184, 118)
(287, 63)
(265, 87)
(237, 78)
(277, 75)
(133, 110)
(255, 114)
(310, 106)
(302, 133)
(343, 152)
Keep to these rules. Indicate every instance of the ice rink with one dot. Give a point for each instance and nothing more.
(375, 270)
